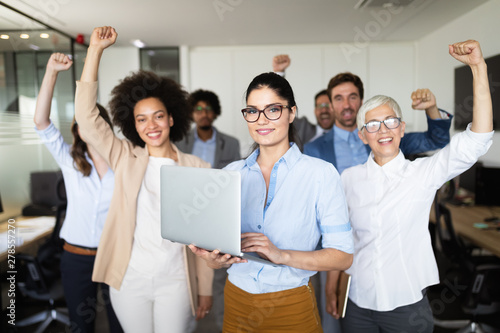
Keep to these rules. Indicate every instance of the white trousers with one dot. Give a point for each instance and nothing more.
(152, 304)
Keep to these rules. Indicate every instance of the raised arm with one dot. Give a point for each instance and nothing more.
(93, 129)
(57, 62)
(469, 53)
(281, 63)
(438, 130)
(424, 99)
(100, 39)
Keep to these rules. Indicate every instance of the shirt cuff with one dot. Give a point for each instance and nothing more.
(444, 115)
(48, 134)
(341, 241)
(480, 138)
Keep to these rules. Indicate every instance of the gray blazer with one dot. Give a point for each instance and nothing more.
(304, 131)
(227, 148)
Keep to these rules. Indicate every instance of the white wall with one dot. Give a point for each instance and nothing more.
(116, 63)
(435, 67)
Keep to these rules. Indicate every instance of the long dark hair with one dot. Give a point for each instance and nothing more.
(79, 147)
(281, 87)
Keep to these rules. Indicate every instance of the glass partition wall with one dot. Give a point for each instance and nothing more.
(25, 47)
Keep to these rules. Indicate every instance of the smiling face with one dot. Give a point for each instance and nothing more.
(385, 142)
(324, 112)
(346, 102)
(152, 122)
(265, 132)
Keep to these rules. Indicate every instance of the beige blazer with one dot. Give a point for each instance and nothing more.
(129, 164)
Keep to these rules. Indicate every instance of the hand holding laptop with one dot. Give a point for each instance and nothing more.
(215, 259)
(250, 242)
(260, 244)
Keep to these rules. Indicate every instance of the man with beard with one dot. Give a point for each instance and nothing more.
(343, 148)
(204, 140)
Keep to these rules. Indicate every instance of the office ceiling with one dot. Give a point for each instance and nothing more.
(243, 22)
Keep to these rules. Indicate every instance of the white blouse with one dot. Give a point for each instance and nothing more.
(88, 197)
(151, 254)
(389, 208)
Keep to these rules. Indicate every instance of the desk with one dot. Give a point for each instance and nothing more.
(464, 217)
(29, 231)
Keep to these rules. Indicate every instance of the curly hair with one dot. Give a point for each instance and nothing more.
(206, 96)
(343, 78)
(79, 147)
(142, 85)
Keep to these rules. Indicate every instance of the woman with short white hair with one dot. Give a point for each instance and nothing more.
(389, 201)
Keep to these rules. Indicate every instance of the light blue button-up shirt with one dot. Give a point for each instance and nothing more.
(305, 201)
(205, 149)
(88, 197)
(349, 149)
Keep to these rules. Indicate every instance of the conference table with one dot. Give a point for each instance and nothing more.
(20, 235)
(25, 233)
(469, 222)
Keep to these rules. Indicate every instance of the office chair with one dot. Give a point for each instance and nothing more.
(46, 193)
(478, 277)
(42, 276)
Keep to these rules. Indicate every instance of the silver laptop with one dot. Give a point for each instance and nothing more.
(202, 206)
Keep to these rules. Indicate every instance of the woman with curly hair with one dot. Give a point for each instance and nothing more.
(86, 176)
(156, 285)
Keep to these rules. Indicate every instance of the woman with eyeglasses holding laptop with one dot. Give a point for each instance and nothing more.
(389, 201)
(156, 285)
(288, 201)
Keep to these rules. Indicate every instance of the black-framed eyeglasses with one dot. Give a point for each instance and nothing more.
(374, 125)
(271, 112)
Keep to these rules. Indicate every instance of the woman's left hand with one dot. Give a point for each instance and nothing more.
(259, 243)
(204, 306)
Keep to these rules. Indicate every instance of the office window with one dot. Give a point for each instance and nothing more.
(22, 67)
(163, 61)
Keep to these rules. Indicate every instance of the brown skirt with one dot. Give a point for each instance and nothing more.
(293, 310)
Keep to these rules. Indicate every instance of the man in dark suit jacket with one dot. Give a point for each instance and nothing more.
(205, 141)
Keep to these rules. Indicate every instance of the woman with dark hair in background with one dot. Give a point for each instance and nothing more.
(89, 186)
(156, 285)
(288, 200)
